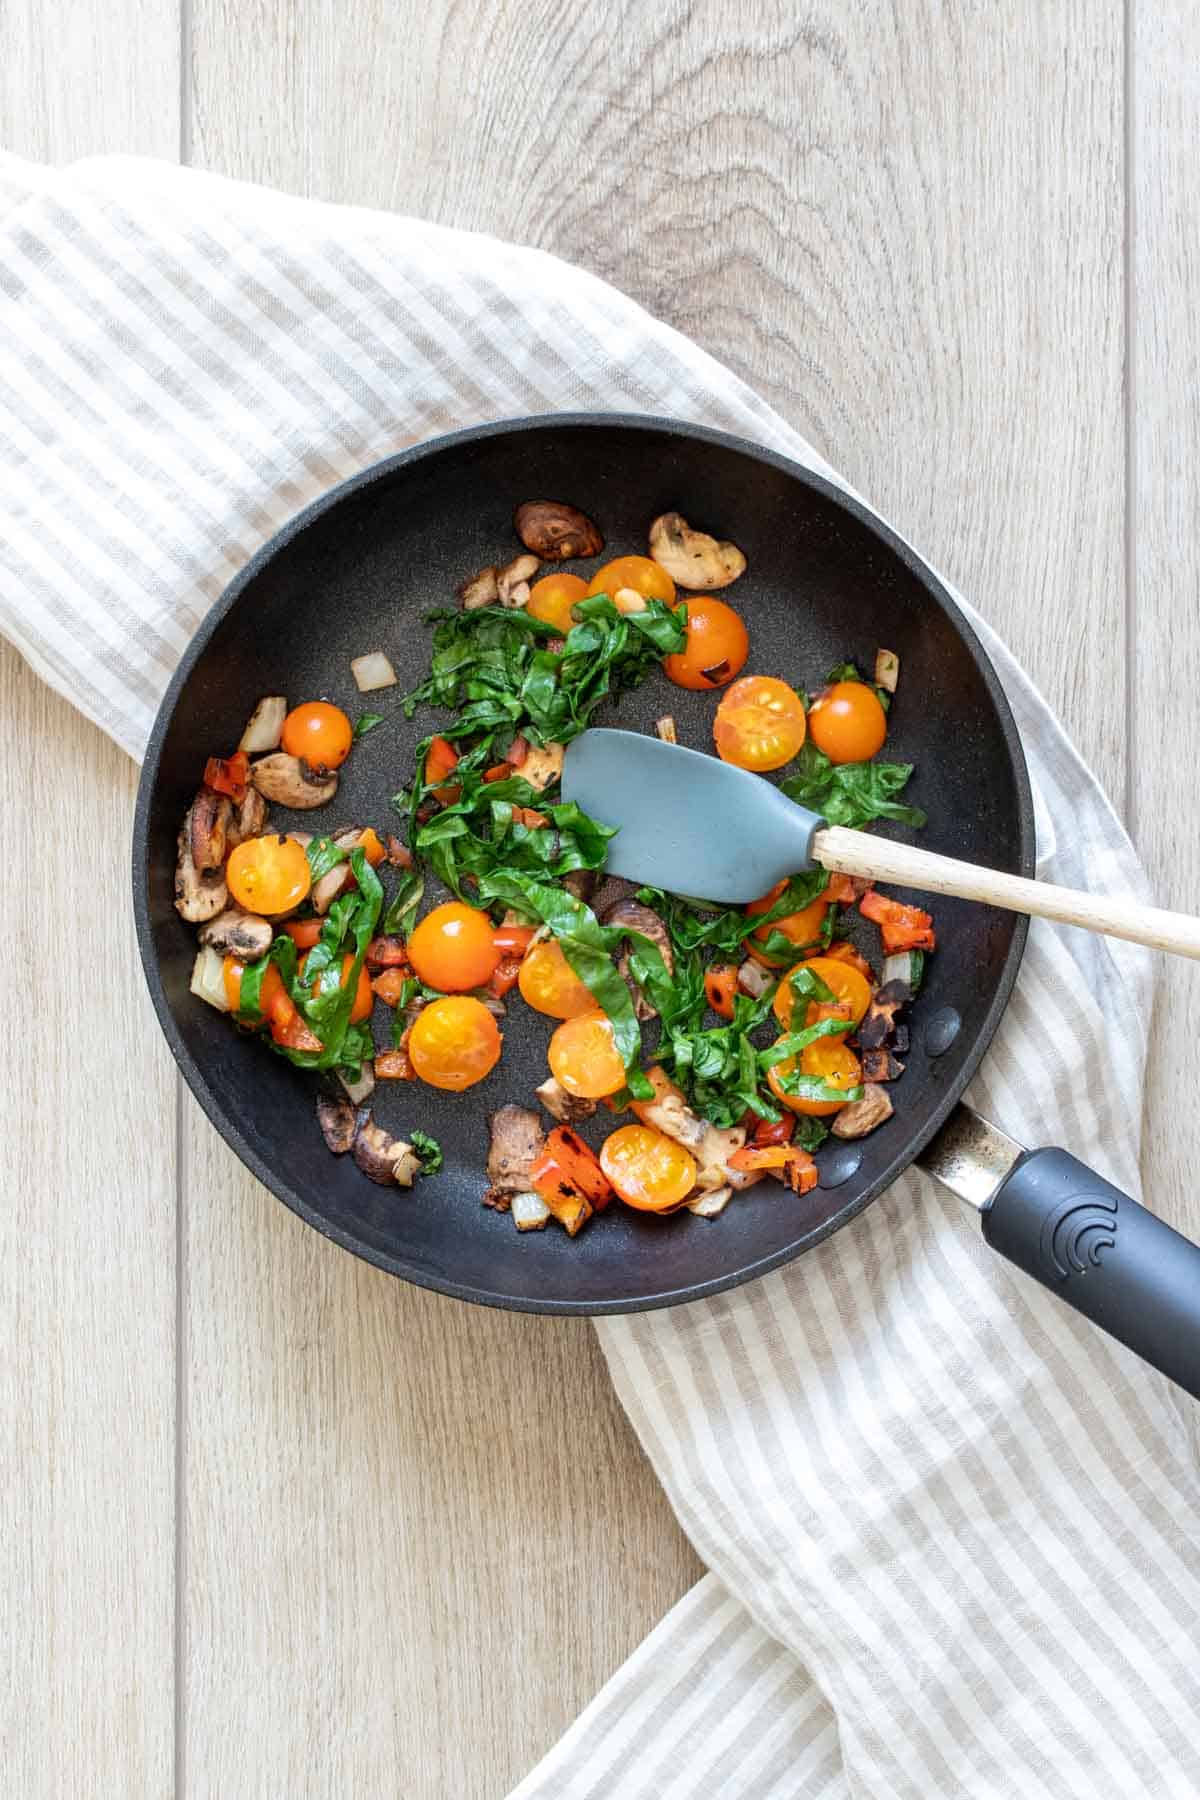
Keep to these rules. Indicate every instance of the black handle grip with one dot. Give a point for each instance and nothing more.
(1104, 1255)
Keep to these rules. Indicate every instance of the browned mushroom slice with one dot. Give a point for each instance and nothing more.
(249, 819)
(631, 915)
(543, 765)
(338, 1121)
(880, 1019)
(512, 581)
(398, 855)
(238, 933)
(555, 531)
(285, 780)
(197, 897)
(383, 1158)
(881, 1065)
(209, 827)
(580, 883)
(569, 1109)
(693, 559)
(331, 884)
(516, 1144)
(861, 1116)
(612, 889)
(481, 590)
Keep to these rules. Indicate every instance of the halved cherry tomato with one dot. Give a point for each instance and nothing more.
(304, 933)
(275, 1005)
(364, 999)
(550, 985)
(440, 758)
(454, 1043)
(903, 927)
(228, 775)
(514, 940)
(583, 1056)
(650, 1172)
(717, 645)
(842, 950)
(453, 948)
(371, 845)
(799, 928)
(268, 875)
(843, 981)
(291, 1031)
(847, 722)
(552, 598)
(760, 723)
(319, 734)
(829, 1061)
(567, 1166)
(641, 573)
(389, 986)
(720, 986)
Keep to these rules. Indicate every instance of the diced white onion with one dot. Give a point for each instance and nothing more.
(372, 671)
(208, 978)
(266, 725)
(529, 1212)
(363, 1088)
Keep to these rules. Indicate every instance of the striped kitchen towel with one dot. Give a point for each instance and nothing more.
(949, 1526)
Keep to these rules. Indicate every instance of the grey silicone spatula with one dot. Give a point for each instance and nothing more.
(695, 825)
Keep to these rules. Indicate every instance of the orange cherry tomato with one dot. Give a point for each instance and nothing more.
(649, 1172)
(847, 722)
(552, 598)
(304, 933)
(440, 758)
(513, 940)
(583, 1056)
(364, 999)
(550, 985)
(760, 723)
(641, 573)
(843, 981)
(275, 1004)
(268, 875)
(720, 986)
(454, 1043)
(799, 928)
(567, 1167)
(319, 734)
(717, 645)
(829, 1061)
(453, 948)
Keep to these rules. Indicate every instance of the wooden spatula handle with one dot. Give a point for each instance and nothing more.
(858, 853)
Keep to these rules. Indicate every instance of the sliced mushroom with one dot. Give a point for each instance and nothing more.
(569, 1109)
(887, 670)
(879, 1022)
(707, 1206)
(861, 1116)
(210, 814)
(481, 590)
(665, 729)
(881, 1065)
(236, 932)
(512, 581)
(249, 820)
(383, 1158)
(338, 1121)
(331, 884)
(693, 559)
(580, 883)
(197, 897)
(265, 726)
(712, 1147)
(555, 531)
(398, 855)
(517, 1142)
(543, 765)
(631, 915)
(285, 780)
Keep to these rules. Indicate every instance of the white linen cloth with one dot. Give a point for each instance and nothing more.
(950, 1527)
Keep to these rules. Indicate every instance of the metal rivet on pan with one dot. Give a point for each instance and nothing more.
(839, 1166)
(941, 1029)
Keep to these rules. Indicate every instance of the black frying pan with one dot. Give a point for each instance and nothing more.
(826, 581)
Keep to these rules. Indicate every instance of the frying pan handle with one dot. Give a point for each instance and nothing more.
(1104, 1255)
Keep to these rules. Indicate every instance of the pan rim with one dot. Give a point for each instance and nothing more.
(386, 466)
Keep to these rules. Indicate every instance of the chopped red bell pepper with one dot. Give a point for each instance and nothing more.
(228, 775)
(903, 927)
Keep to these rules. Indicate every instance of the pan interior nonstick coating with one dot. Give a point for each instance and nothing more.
(357, 573)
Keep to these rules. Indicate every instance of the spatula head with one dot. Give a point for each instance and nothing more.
(687, 822)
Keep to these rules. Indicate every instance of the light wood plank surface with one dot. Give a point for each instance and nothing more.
(1164, 619)
(88, 1128)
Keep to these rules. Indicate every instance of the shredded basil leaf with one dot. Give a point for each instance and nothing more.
(323, 854)
(429, 1151)
(850, 794)
(366, 722)
(404, 901)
